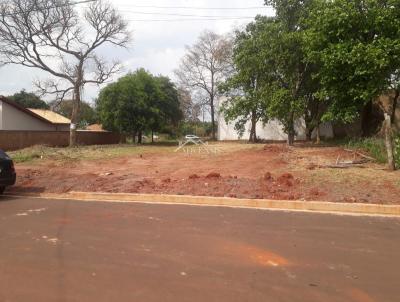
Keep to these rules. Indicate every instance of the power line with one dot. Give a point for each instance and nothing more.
(180, 15)
(50, 7)
(189, 19)
(198, 7)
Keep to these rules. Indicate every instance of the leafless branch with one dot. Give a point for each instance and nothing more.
(50, 35)
(205, 65)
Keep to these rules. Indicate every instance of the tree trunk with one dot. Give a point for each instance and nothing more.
(134, 137)
(366, 118)
(309, 134)
(152, 136)
(140, 137)
(76, 103)
(214, 136)
(291, 132)
(290, 140)
(318, 130)
(253, 134)
(389, 142)
(395, 101)
(308, 119)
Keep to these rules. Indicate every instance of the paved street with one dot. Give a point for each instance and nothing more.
(94, 251)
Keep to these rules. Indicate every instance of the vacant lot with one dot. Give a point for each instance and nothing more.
(236, 170)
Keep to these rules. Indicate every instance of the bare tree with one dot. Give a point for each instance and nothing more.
(188, 107)
(51, 35)
(204, 66)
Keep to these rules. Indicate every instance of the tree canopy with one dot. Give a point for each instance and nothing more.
(357, 46)
(28, 100)
(87, 114)
(206, 65)
(243, 88)
(316, 60)
(272, 76)
(139, 102)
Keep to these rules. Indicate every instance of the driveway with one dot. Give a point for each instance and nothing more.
(66, 250)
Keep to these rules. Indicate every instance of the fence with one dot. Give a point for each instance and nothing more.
(14, 140)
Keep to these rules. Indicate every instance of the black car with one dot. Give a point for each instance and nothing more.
(7, 171)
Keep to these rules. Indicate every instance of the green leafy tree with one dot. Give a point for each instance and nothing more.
(357, 46)
(290, 87)
(138, 102)
(87, 114)
(166, 107)
(244, 99)
(28, 100)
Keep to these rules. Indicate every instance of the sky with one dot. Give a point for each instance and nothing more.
(156, 46)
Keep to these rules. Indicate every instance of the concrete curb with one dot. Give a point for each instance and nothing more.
(313, 206)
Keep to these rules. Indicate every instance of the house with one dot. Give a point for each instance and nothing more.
(271, 131)
(16, 117)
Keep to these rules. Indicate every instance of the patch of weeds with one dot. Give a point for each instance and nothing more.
(83, 152)
(375, 147)
(24, 157)
(28, 154)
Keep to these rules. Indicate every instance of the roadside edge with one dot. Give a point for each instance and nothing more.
(284, 205)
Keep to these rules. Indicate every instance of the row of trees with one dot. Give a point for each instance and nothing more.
(318, 60)
(139, 102)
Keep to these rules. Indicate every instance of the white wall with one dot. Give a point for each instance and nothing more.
(273, 130)
(14, 119)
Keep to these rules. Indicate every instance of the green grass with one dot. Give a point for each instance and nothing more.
(375, 147)
(37, 153)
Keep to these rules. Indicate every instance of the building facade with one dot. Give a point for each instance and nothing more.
(271, 131)
(15, 117)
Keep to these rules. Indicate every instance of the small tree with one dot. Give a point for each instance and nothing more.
(287, 89)
(205, 66)
(244, 99)
(52, 36)
(138, 102)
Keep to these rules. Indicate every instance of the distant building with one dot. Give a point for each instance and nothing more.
(273, 130)
(16, 117)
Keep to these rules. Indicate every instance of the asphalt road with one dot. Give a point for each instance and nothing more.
(93, 251)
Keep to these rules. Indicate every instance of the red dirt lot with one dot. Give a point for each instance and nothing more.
(241, 171)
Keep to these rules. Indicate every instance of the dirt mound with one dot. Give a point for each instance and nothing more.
(213, 175)
(314, 192)
(276, 148)
(286, 179)
(268, 176)
(285, 176)
(194, 176)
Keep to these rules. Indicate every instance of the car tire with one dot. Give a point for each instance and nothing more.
(2, 190)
